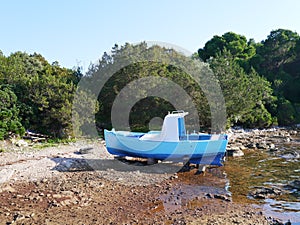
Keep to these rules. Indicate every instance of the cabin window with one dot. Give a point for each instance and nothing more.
(181, 127)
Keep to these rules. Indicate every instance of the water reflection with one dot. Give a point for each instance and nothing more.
(260, 172)
(268, 178)
(283, 210)
(189, 188)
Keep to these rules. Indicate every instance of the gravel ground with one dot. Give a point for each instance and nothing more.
(80, 183)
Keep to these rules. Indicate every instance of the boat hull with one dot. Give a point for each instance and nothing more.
(207, 152)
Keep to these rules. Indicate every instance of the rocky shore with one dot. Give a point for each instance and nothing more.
(80, 183)
(83, 198)
(255, 139)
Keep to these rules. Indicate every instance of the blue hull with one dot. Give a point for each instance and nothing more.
(198, 149)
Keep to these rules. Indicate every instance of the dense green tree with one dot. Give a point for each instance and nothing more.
(278, 60)
(275, 59)
(291, 89)
(277, 50)
(44, 92)
(167, 64)
(38, 96)
(286, 112)
(82, 120)
(241, 49)
(9, 113)
(245, 93)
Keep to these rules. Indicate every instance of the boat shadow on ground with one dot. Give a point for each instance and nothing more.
(69, 164)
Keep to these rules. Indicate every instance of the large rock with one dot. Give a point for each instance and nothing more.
(294, 185)
(266, 192)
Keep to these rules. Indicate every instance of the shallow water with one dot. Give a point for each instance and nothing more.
(241, 176)
(277, 170)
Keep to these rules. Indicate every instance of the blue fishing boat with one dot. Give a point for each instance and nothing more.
(172, 143)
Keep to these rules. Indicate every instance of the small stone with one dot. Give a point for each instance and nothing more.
(151, 161)
(21, 143)
(68, 193)
(262, 145)
(57, 196)
(209, 195)
(251, 145)
(242, 147)
(235, 153)
(173, 177)
(222, 197)
(44, 180)
(18, 217)
(271, 146)
(85, 150)
(234, 148)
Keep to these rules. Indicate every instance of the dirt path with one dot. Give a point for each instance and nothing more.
(58, 185)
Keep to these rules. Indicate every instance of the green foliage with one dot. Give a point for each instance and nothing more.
(277, 50)
(286, 113)
(277, 59)
(140, 117)
(260, 83)
(149, 107)
(245, 94)
(82, 120)
(240, 48)
(44, 92)
(9, 113)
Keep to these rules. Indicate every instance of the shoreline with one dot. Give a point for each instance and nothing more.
(42, 177)
(88, 198)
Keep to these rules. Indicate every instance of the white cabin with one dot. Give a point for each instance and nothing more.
(173, 127)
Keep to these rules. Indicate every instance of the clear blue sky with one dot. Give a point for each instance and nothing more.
(75, 33)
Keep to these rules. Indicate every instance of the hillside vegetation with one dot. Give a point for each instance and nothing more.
(260, 82)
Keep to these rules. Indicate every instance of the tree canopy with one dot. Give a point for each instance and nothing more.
(246, 93)
(43, 92)
(238, 45)
(9, 114)
(277, 59)
(260, 82)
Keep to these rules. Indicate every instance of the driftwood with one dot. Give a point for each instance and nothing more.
(35, 137)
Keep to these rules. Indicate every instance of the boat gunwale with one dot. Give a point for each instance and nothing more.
(137, 137)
